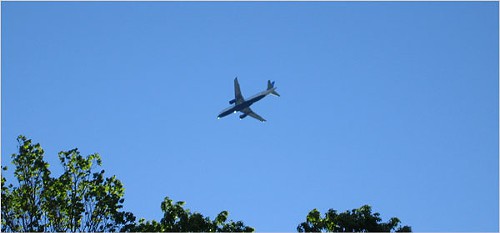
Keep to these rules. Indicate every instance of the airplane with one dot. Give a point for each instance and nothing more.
(243, 106)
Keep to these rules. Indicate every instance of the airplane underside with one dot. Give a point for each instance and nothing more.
(243, 106)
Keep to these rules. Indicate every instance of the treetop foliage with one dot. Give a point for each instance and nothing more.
(78, 200)
(84, 199)
(178, 219)
(356, 220)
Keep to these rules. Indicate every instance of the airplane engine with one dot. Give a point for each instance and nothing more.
(232, 101)
(243, 116)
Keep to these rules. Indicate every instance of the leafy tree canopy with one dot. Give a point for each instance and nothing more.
(178, 219)
(357, 220)
(78, 200)
(85, 200)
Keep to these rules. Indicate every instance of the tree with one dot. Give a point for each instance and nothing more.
(177, 219)
(84, 200)
(357, 220)
(22, 210)
(9, 216)
(78, 200)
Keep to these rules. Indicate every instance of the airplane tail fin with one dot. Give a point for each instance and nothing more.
(270, 85)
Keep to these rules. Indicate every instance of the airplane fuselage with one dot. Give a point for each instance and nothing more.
(245, 104)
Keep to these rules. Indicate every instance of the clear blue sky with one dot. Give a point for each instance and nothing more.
(391, 104)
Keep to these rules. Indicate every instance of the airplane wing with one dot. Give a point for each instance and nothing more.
(249, 112)
(237, 93)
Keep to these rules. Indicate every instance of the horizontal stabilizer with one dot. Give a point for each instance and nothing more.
(270, 85)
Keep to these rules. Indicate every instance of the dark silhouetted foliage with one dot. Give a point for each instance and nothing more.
(357, 220)
(176, 218)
